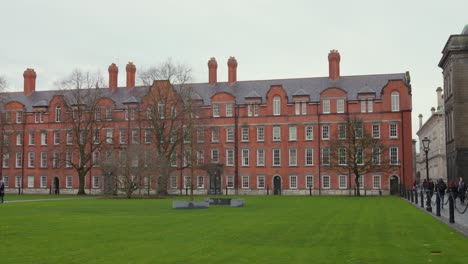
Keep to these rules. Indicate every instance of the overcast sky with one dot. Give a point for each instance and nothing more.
(270, 39)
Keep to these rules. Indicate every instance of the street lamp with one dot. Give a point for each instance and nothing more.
(426, 143)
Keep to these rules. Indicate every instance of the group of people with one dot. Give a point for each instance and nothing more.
(457, 189)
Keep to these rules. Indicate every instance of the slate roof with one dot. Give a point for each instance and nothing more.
(311, 87)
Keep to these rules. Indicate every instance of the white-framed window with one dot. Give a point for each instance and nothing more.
(19, 117)
(343, 181)
(245, 134)
(200, 157)
(309, 156)
(229, 157)
(301, 107)
(215, 109)
(245, 182)
(325, 156)
(245, 157)
(252, 110)
(325, 132)
(135, 136)
(97, 113)
(230, 181)
(260, 181)
(260, 157)
(370, 106)
(309, 132)
(43, 159)
(32, 138)
(361, 181)
(69, 182)
(375, 130)
(39, 117)
(292, 181)
(359, 130)
(18, 182)
(276, 105)
(394, 155)
(393, 130)
(43, 182)
(55, 160)
(162, 110)
(8, 116)
(292, 157)
(95, 182)
(260, 133)
(276, 157)
(215, 134)
(292, 133)
(297, 107)
(69, 137)
(229, 134)
(109, 136)
(340, 105)
(363, 105)
(200, 182)
(31, 159)
(376, 155)
(6, 160)
(276, 133)
(147, 136)
(68, 159)
(96, 156)
(19, 139)
(342, 157)
(174, 159)
(341, 131)
(123, 136)
(108, 113)
(58, 114)
(56, 137)
(30, 181)
(174, 182)
(326, 106)
(376, 182)
(229, 109)
(200, 134)
(395, 101)
(214, 156)
(6, 181)
(325, 181)
(187, 181)
(43, 138)
(19, 159)
(359, 156)
(309, 180)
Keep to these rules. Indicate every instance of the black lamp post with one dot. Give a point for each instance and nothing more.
(426, 143)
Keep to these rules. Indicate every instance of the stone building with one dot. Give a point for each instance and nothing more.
(269, 135)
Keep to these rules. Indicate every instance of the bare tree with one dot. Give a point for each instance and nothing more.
(353, 150)
(4, 135)
(81, 93)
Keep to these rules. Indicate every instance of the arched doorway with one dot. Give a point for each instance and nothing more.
(277, 185)
(394, 184)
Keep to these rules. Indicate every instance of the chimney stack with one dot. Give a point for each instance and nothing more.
(440, 100)
(212, 71)
(420, 120)
(29, 81)
(334, 65)
(113, 73)
(131, 69)
(232, 70)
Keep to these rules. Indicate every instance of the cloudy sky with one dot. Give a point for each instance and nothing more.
(270, 39)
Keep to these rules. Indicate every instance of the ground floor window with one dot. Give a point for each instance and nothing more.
(309, 181)
(18, 181)
(174, 182)
(95, 181)
(293, 182)
(43, 181)
(376, 181)
(361, 181)
(261, 181)
(326, 182)
(230, 181)
(69, 182)
(245, 182)
(187, 182)
(200, 182)
(6, 181)
(30, 181)
(343, 181)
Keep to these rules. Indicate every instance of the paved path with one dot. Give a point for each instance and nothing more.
(461, 220)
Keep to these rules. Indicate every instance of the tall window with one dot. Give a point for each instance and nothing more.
(200, 182)
(309, 181)
(292, 157)
(19, 139)
(215, 109)
(376, 130)
(215, 134)
(43, 159)
(97, 113)
(162, 110)
(32, 139)
(6, 160)
(340, 105)
(19, 117)
(43, 182)
(135, 136)
(69, 182)
(55, 160)
(229, 134)
(292, 133)
(252, 110)
(109, 136)
(325, 182)
(359, 130)
(394, 155)
(95, 182)
(56, 137)
(69, 137)
(260, 181)
(301, 107)
(342, 131)
(245, 157)
(326, 156)
(376, 182)
(147, 136)
(260, 133)
(361, 181)
(326, 106)
(123, 136)
(260, 157)
(376, 155)
(68, 159)
(31, 159)
(342, 156)
(276, 133)
(325, 132)
(229, 109)
(19, 160)
(229, 157)
(108, 113)
(276, 105)
(214, 155)
(293, 182)
(393, 130)
(245, 134)
(58, 114)
(370, 107)
(342, 181)
(309, 156)
(395, 101)
(309, 132)
(359, 156)
(230, 181)
(245, 182)
(276, 157)
(363, 105)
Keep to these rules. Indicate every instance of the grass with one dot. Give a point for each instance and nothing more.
(268, 230)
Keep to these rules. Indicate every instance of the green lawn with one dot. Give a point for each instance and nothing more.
(268, 230)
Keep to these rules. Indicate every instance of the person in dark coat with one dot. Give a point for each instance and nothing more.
(430, 188)
(424, 185)
(441, 187)
(453, 189)
(2, 190)
(461, 189)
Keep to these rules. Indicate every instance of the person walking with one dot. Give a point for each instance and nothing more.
(430, 187)
(453, 190)
(2, 190)
(441, 187)
(461, 189)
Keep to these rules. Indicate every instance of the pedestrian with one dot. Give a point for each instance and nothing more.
(453, 189)
(461, 188)
(424, 185)
(2, 190)
(441, 187)
(430, 188)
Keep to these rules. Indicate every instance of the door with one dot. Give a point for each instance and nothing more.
(277, 185)
(215, 184)
(56, 185)
(394, 185)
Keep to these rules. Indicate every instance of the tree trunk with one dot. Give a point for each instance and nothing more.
(357, 185)
(81, 186)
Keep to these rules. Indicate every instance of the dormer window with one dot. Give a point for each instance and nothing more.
(229, 109)
(340, 106)
(58, 114)
(276, 105)
(301, 107)
(19, 117)
(252, 109)
(326, 106)
(395, 101)
(215, 109)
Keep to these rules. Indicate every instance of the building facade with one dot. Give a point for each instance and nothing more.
(454, 63)
(269, 136)
(433, 129)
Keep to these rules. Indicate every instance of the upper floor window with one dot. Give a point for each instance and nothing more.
(276, 133)
(39, 117)
(301, 108)
(393, 130)
(97, 113)
(109, 113)
(309, 132)
(215, 110)
(292, 133)
(162, 110)
(229, 134)
(395, 102)
(340, 105)
(276, 105)
(229, 109)
(58, 114)
(326, 106)
(19, 117)
(325, 132)
(260, 133)
(375, 130)
(245, 134)
(252, 110)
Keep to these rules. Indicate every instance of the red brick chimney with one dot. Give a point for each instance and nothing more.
(334, 65)
(131, 69)
(212, 71)
(232, 70)
(29, 81)
(113, 73)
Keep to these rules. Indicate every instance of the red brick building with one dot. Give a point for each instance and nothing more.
(269, 135)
